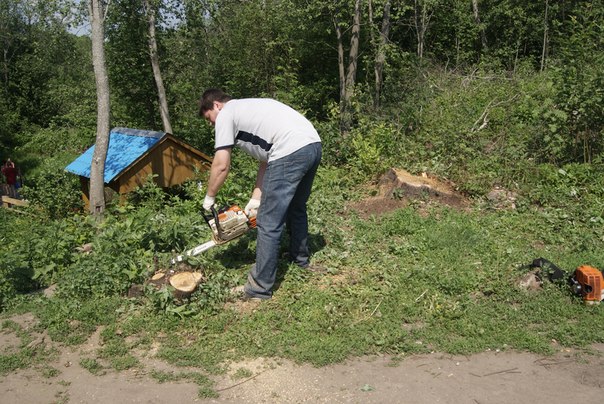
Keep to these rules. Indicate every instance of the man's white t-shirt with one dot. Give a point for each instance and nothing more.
(265, 128)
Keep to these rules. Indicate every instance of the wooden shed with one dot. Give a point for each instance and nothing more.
(133, 155)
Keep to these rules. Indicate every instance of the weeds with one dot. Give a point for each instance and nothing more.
(21, 355)
(93, 366)
(205, 384)
(410, 281)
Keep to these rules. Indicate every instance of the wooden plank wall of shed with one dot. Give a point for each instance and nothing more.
(172, 163)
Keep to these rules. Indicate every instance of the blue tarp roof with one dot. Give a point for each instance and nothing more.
(125, 146)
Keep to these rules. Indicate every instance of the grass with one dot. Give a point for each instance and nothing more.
(93, 366)
(23, 355)
(418, 279)
(205, 384)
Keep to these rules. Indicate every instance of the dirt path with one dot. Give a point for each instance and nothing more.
(490, 377)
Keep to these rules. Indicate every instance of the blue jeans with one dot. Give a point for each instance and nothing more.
(285, 191)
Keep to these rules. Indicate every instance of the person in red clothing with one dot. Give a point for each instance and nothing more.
(10, 173)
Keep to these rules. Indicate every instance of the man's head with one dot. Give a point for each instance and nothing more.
(211, 102)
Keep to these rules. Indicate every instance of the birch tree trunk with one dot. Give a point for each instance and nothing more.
(483, 37)
(351, 71)
(159, 82)
(380, 58)
(545, 36)
(97, 169)
(341, 68)
(423, 12)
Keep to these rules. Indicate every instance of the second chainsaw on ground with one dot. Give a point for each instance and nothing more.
(226, 224)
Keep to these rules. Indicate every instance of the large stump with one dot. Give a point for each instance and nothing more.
(400, 183)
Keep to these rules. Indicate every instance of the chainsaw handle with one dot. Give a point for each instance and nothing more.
(213, 215)
(217, 222)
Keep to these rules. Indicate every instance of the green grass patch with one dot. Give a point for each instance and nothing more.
(205, 384)
(418, 279)
(22, 355)
(93, 366)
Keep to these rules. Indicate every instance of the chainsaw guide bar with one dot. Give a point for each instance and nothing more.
(226, 224)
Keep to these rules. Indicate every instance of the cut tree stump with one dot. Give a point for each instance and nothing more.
(185, 283)
(396, 181)
(158, 279)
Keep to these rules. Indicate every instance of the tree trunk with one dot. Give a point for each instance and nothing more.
(483, 37)
(7, 36)
(97, 168)
(341, 68)
(351, 71)
(353, 55)
(545, 36)
(159, 82)
(421, 22)
(380, 58)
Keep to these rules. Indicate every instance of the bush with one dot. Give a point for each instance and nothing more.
(16, 273)
(573, 187)
(55, 194)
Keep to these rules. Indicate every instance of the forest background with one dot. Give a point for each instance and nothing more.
(485, 94)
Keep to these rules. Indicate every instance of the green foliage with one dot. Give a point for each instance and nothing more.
(574, 188)
(119, 258)
(406, 282)
(150, 194)
(92, 365)
(36, 253)
(460, 129)
(8, 290)
(419, 279)
(128, 63)
(55, 193)
(72, 321)
(51, 249)
(10, 281)
(579, 86)
(204, 383)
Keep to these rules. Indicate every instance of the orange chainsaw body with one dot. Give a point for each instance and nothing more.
(592, 283)
(232, 223)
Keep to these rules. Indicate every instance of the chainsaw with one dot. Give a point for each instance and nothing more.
(226, 224)
(588, 282)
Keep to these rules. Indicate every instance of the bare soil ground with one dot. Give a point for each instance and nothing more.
(489, 377)
(485, 378)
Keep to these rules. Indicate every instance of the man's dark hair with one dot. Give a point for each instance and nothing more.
(208, 98)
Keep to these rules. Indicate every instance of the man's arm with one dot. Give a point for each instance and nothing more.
(251, 209)
(257, 193)
(221, 164)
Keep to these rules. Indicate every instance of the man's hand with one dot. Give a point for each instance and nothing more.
(208, 202)
(251, 209)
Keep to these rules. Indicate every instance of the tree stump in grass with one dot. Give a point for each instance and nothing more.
(397, 183)
(184, 283)
(158, 279)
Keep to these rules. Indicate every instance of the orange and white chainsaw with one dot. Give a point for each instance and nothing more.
(226, 224)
